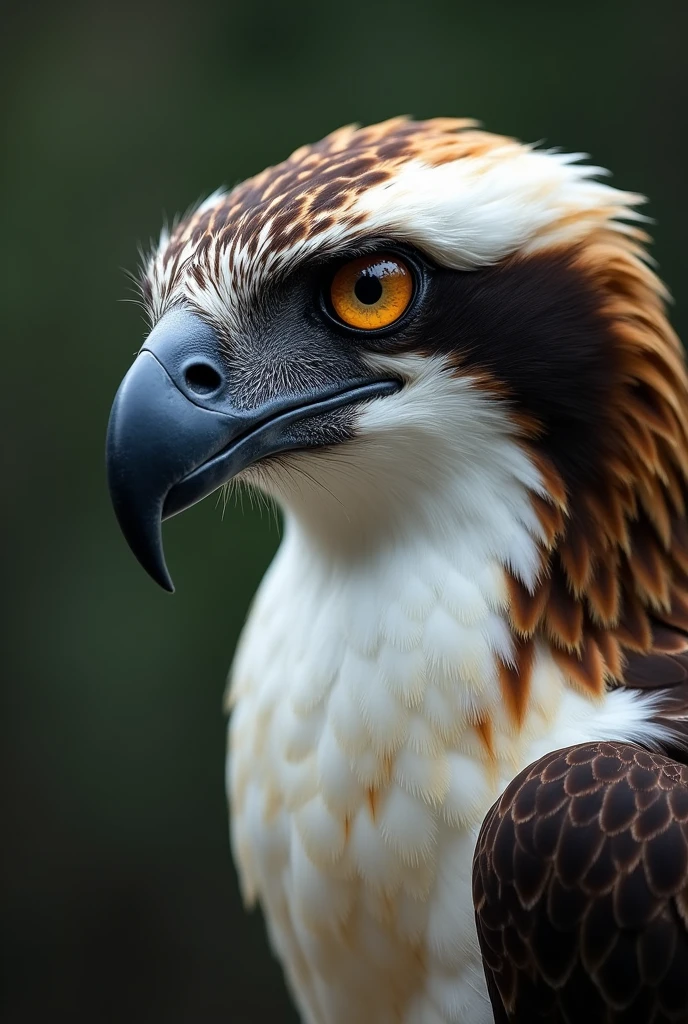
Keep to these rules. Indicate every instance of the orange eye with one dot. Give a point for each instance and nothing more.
(371, 292)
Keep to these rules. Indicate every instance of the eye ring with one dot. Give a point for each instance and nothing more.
(373, 292)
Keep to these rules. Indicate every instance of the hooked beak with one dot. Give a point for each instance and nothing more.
(175, 433)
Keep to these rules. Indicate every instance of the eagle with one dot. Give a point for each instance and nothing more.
(457, 767)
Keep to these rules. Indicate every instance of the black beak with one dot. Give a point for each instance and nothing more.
(175, 434)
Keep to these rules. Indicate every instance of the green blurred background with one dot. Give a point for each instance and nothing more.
(120, 899)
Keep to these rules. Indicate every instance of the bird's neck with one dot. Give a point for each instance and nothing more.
(400, 648)
(366, 694)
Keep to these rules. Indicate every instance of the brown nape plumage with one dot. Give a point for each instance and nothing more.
(580, 874)
(612, 596)
(580, 883)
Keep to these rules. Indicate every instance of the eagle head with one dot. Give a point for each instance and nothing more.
(422, 327)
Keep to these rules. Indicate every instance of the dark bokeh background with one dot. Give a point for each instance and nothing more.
(120, 900)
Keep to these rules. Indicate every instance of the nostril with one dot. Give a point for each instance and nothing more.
(202, 378)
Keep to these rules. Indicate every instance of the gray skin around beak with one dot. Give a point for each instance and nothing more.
(177, 432)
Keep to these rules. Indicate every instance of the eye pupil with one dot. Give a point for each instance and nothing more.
(368, 289)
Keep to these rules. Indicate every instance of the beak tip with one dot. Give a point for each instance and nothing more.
(149, 553)
(159, 574)
(167, 584)
(143, 535)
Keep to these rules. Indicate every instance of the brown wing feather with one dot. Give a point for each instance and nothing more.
(580, 887)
